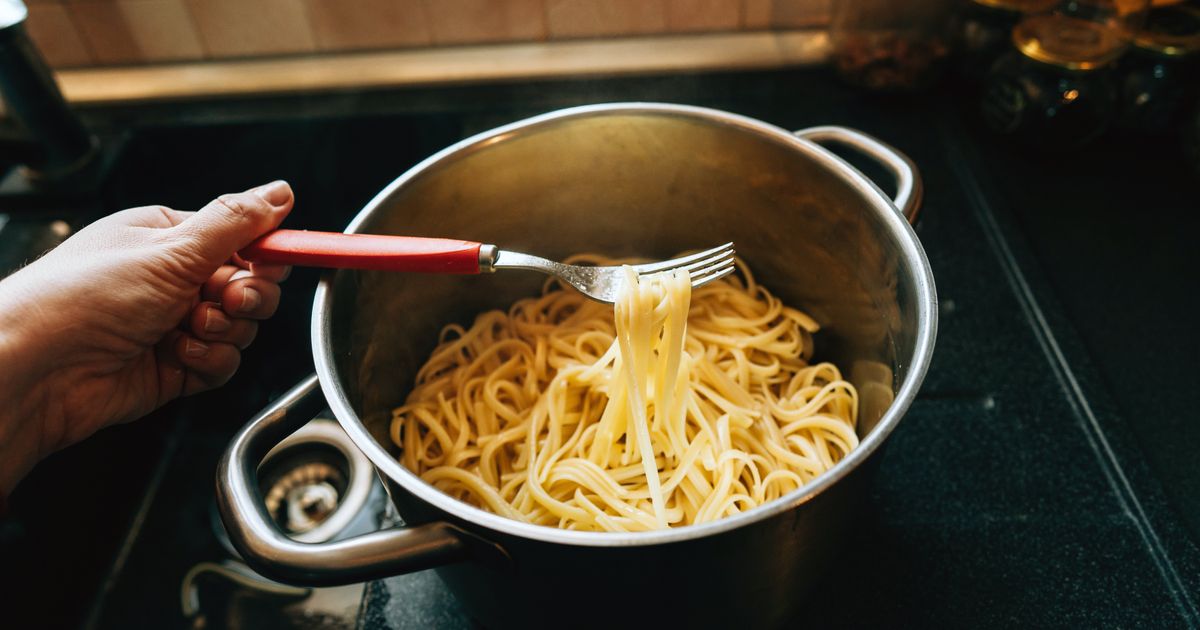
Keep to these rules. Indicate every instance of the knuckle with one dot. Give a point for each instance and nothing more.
(239, 205)
(179, 254)
(168, 215)
(232, 206)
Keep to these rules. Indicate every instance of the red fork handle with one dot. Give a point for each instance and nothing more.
(364, 251)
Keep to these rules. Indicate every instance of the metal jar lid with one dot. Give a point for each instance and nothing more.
(1170, 31)
(1069, 42)
(1017, 6)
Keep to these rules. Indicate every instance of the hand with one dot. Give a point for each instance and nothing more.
(133, 311)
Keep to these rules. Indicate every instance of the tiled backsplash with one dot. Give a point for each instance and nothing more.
(74, 33)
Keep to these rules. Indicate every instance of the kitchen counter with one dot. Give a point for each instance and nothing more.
(1041, 478)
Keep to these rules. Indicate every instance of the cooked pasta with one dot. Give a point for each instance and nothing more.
(678, 406)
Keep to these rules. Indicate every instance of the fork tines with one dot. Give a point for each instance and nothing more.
(703, 267)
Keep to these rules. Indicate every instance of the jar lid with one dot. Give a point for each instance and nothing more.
(1018, 6)
(1069, 42)
(1172, 31)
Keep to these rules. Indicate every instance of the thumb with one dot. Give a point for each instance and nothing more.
(232, 221)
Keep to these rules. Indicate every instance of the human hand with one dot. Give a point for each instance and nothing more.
(133, 311)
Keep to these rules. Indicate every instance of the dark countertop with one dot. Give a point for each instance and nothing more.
(1108, 229)
(1042, 477)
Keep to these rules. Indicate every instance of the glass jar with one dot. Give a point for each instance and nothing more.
(1056, 88)
(1158, 75)
(1047, 105)
(1080, 34)
(887, 45)
(982, 32)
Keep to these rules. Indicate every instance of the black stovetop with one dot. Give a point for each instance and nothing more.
(1041, 478)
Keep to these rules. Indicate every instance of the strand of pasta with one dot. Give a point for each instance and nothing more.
(677, 406)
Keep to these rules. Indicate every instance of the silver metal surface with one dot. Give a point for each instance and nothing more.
(624, 180)
(603, 283)
(358, 486)
(271, 553)
(909, 188)
(487, 258)
(237, 573)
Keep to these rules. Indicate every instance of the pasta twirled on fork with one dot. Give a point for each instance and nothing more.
(684, 407)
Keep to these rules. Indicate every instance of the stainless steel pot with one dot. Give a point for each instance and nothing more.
(622, 179)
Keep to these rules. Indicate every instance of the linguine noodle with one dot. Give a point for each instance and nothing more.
(678, 406)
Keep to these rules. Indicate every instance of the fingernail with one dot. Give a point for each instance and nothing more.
(215, 321)
(276, 193)
(250, 300)
(195, 348)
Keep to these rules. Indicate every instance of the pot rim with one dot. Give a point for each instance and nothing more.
(914, 263)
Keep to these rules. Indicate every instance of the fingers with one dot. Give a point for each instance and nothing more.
(210, 323)
(232, 221)
(207, 364)
(188, 365)
(215, 285)
(250, 297)
(208, 355)
(222, 319)
(274, 273)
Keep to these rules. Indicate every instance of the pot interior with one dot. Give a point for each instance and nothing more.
(634, 182)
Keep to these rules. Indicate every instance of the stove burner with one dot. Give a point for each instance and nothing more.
(314, 482)
(317, 486)
(305, 497)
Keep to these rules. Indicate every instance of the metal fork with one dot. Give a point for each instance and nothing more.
(439, 255)
(603, 283)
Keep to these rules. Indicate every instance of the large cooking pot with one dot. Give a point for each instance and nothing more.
(623, 179)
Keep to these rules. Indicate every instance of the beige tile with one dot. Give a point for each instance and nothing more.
(446, 65)
(163, 29)
(244, 28)
(756, 14)
(105, 30)
(359, 24)
(131, 31)
(703, 15)
(50, 26)
(799, 13)
(469, 21)
(596, 18)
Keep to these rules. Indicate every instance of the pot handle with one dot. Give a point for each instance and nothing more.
(909, 189)
(274, 555)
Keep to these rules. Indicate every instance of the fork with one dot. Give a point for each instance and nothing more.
(440, 255)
